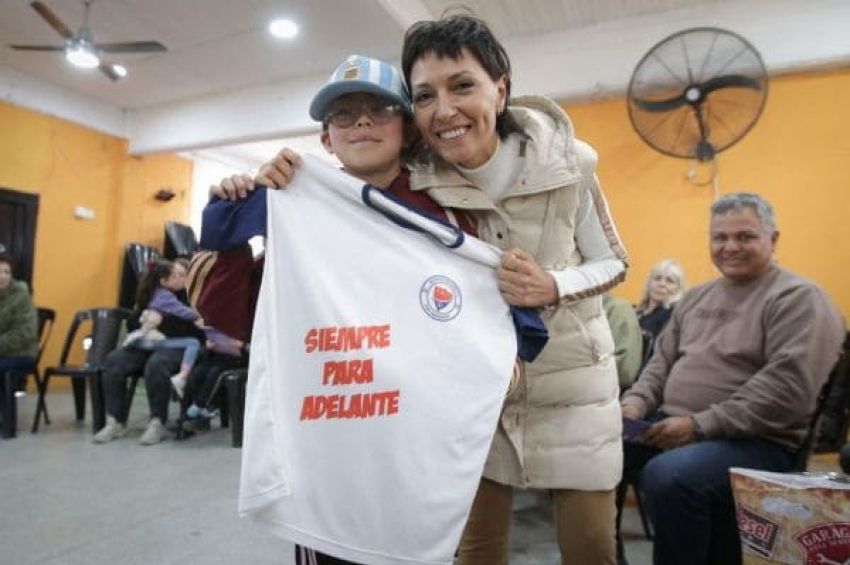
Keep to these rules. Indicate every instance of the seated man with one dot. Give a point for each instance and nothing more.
(733, 382)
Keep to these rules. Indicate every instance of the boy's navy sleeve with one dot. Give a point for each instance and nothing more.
(227, 224)
(531, 333)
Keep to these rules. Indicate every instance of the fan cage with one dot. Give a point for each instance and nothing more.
(677, 133)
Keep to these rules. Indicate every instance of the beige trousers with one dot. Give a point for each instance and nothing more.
(584, 526)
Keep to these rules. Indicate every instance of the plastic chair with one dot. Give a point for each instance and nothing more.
(180, 241)
(46, 319)
(137, 257)
(622, 491)
(105, 330)
(835, 419)
(235, 381)
(844, 458)
(801, 458)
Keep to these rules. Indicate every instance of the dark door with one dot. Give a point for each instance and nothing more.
(18, 215)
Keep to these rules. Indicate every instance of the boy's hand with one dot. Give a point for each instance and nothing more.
(235, 187)
(523, 282)
(278, 172)
(200, 323)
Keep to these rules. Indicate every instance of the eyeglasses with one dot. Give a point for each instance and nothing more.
(345, 114)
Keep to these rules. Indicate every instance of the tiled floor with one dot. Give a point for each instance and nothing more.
(65, 501)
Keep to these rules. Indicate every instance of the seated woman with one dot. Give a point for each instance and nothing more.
(18, 324)
(158, 366)
(664, 287)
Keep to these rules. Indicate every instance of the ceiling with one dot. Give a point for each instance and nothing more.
(225, 79)
(216, 46)
(213, 45)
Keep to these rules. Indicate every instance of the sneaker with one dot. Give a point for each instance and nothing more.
(154, 434)
(178, 381)
(112, 430)
(197, 425)
(194, 412)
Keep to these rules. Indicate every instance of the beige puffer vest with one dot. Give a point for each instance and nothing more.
(561, 427)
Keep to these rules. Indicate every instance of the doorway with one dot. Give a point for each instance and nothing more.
(18, 217)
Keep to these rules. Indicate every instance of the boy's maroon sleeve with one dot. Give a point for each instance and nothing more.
(227, 298)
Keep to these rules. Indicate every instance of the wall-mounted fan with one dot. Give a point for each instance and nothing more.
(80, 48)
(697, 93)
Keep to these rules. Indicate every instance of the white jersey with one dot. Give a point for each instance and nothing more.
(380, 360)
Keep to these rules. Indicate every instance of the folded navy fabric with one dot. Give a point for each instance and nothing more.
(228, 224)
(531, 334)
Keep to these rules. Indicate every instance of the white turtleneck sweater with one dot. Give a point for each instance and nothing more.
(600, 264)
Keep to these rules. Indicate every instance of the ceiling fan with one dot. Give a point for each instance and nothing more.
(80, 48)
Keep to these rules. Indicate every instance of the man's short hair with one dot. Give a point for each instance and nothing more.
(737, 201)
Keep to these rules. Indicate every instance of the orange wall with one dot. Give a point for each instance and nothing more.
(797, 156)
(78, 262)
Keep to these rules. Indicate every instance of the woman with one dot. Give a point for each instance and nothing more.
(158, 367)
(156, 298)
(18, 324)
(531, 186)
(664, 287)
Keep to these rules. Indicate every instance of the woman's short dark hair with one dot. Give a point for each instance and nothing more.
(6, 258)
(447, 37)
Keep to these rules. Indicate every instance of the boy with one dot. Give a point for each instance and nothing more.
(366, 123)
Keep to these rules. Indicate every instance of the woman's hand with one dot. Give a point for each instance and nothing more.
(523, 282)
(278, 172)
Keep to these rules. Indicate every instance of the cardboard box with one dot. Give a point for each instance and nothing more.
(793, 518)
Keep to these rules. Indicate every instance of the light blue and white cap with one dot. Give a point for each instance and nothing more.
(359, 73)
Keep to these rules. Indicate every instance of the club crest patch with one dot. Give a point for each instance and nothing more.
(440, 298)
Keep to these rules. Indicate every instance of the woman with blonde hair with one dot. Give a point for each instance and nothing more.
(664, 287)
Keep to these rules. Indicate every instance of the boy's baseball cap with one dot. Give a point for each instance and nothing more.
(359, 73)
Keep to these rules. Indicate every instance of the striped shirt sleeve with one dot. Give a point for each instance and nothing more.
(605, 259)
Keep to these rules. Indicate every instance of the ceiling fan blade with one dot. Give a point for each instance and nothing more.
(37, 47)
(726, 81)
(52, 19)
(106, 68)
(660, 105)
(132, 47)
